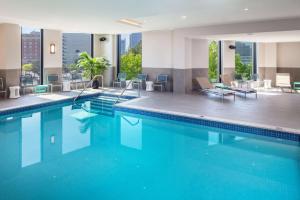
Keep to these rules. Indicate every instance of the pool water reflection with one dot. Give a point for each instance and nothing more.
(60, 153)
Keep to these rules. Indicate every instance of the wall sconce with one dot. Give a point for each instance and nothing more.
(52, 48)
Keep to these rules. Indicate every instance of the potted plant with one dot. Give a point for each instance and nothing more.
(92, 67)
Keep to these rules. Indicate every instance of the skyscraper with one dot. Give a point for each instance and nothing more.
(135, 39)
(73, 45)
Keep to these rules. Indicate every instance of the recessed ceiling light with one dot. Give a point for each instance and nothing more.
(131, 22)
(246, 9)
(183, 17)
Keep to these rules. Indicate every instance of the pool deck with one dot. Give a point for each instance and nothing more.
(275, 110)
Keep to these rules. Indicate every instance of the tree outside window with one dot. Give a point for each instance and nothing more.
(213, 61)
(243, 60)
(131, 54)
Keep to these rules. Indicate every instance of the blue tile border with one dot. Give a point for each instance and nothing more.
(56, 102)
(216, 124)
(205, 122)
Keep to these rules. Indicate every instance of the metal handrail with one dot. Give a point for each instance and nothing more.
(119, 96)
(86, 86)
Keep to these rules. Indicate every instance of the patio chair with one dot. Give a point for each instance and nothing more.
(283, 80)
(227, 80)
(53, 81)
(120, 79)
(2, 87)
(229, 84)
(255, 81)
(27, 81)
(140, 81)
(76, 79)
(207, 87)
(161, 82)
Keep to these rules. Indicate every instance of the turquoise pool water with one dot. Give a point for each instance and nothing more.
(62, 152)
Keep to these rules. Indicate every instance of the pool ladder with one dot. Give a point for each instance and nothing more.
(89, 84)
(126, 87)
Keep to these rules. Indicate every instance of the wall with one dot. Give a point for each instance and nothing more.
(52, 62)
(157, 55)
(228, 58)
(288, 59)
(267, 61)
(10, 53)
(183, 63)
(108, 50)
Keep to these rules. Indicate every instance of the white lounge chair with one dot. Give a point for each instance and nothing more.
(283, 80)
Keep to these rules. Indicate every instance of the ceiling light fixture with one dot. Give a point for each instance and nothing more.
(131, 22)
(183, 17)
(246, 9)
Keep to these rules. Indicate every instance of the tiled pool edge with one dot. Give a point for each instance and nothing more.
(55, 102)
(200, 120)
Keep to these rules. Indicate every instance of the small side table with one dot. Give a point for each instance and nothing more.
(14, 92)
(66, 86)
(267, 84)
(149, 86)
(129, 86)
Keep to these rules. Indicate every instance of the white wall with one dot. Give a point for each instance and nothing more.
(200, 57)
(267, 55)
(228, 58)
(288, 55)
(10, 46)
(106, 49)
(52, 60)
(157, 49)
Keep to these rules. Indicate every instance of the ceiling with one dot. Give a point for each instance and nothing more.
(281, 36)
(101, 16)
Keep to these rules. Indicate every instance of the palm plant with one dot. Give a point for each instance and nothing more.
(92, 66)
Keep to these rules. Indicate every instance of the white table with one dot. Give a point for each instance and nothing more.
(66, 86)
(149, 86)
(129, 86)
(14, 92)
(267, 84)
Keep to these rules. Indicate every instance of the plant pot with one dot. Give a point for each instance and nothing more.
(95, 84)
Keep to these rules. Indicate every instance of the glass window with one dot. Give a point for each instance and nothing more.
(130, 54)
(73, 45)
(213, 69)
(243, 60)
(31, 57)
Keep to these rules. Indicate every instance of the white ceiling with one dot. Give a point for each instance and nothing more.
(100, 16)
(281, 36)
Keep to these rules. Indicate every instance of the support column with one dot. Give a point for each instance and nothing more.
(108, 50)
(200, 60)
(10, 54)
(52, 62)
(228, 58)
(267, 61)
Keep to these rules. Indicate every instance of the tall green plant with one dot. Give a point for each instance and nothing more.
(131, 64)
(242, 70)
(27, 67)
(91, 66)
(213, 60)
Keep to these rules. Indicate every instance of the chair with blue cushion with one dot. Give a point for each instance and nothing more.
(27, 81)
(140, 81)
(120, 79)
(2, 87)
(54, 81)
(161, 82)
